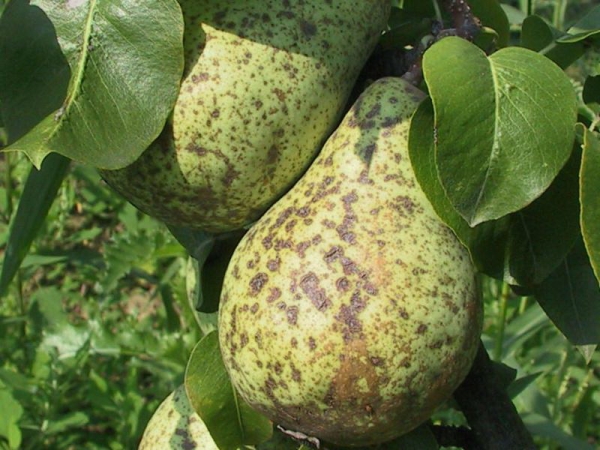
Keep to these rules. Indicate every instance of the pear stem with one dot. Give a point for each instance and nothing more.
(464, 25)
(492, 416)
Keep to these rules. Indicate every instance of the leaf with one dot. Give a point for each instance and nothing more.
(590, 198)
(505, 125)
(544, 427)
(11, 413)
(486, 242)
(591, 89)
(34, 73)
(542, 233)
(406, 27)
(230, 421)
(587, 351)
(539, 36)
(570, 296)
(213, 273)
(75, 419)
(197, 243)
(126, 59)
(35, 201)
(491, 15)
(586, 27)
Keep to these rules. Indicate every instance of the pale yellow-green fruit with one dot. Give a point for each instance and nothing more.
(265, 84)
(176, 426)
(349, 311)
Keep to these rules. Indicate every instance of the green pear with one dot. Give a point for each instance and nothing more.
(176, 426)
(349, 311)
(265, 84)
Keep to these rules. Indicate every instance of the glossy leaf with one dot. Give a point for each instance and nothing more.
(230, 421)
(34, 73)
(570, 296)
(591, 89)
(126, 60)
(491, 14)
(486, 242)
(538, 35)
(542, 233)
(590, 198)
(586, 27)
(504, 125)
(38, 195)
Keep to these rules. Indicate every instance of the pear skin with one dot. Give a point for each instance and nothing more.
(176, 426)
(349, 311)
(265, 84)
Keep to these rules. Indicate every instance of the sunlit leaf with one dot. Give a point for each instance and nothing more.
(504, 125)
(230, 421)
(126, 61)
(590, 198)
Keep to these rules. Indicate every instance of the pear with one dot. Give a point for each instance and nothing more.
(349, 311)
(176, 426)
(265, 84)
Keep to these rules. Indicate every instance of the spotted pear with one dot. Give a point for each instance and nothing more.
(265, 83)
(176, 426)
(349, 311)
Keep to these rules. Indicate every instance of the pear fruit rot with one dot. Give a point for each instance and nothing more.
(176, 426)
(349, 311)
(265, 83)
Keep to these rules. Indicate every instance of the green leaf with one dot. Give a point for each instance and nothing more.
(421, 146)
(230, 421)
(424, 9)
(35, 201)
(540, 36)
(125, 74)
(197, 243)
(570, 296)
(34, 73)
(590, 198)
(542, 233)
(587, 27)
(75, 419)
(406, 28)
(491, 15)
(591, 89)
(213, 273)
(486, 242)
(11, 413)
(544, 427)
(505, 125)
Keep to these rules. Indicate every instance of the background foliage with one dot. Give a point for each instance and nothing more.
(96, 328)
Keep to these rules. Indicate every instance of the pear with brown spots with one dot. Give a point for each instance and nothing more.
(176, 426)
(349, 311)
(265, 84)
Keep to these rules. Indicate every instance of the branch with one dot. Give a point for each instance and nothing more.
(495, 422)
(465, 25)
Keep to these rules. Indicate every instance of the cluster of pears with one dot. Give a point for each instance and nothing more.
(349, 312)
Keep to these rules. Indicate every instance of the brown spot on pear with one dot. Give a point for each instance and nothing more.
(265, 84)
(383, 333)
(176, 426)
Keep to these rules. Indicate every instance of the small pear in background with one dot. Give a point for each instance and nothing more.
(176, 426)
(349, 311)
(265, 84)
